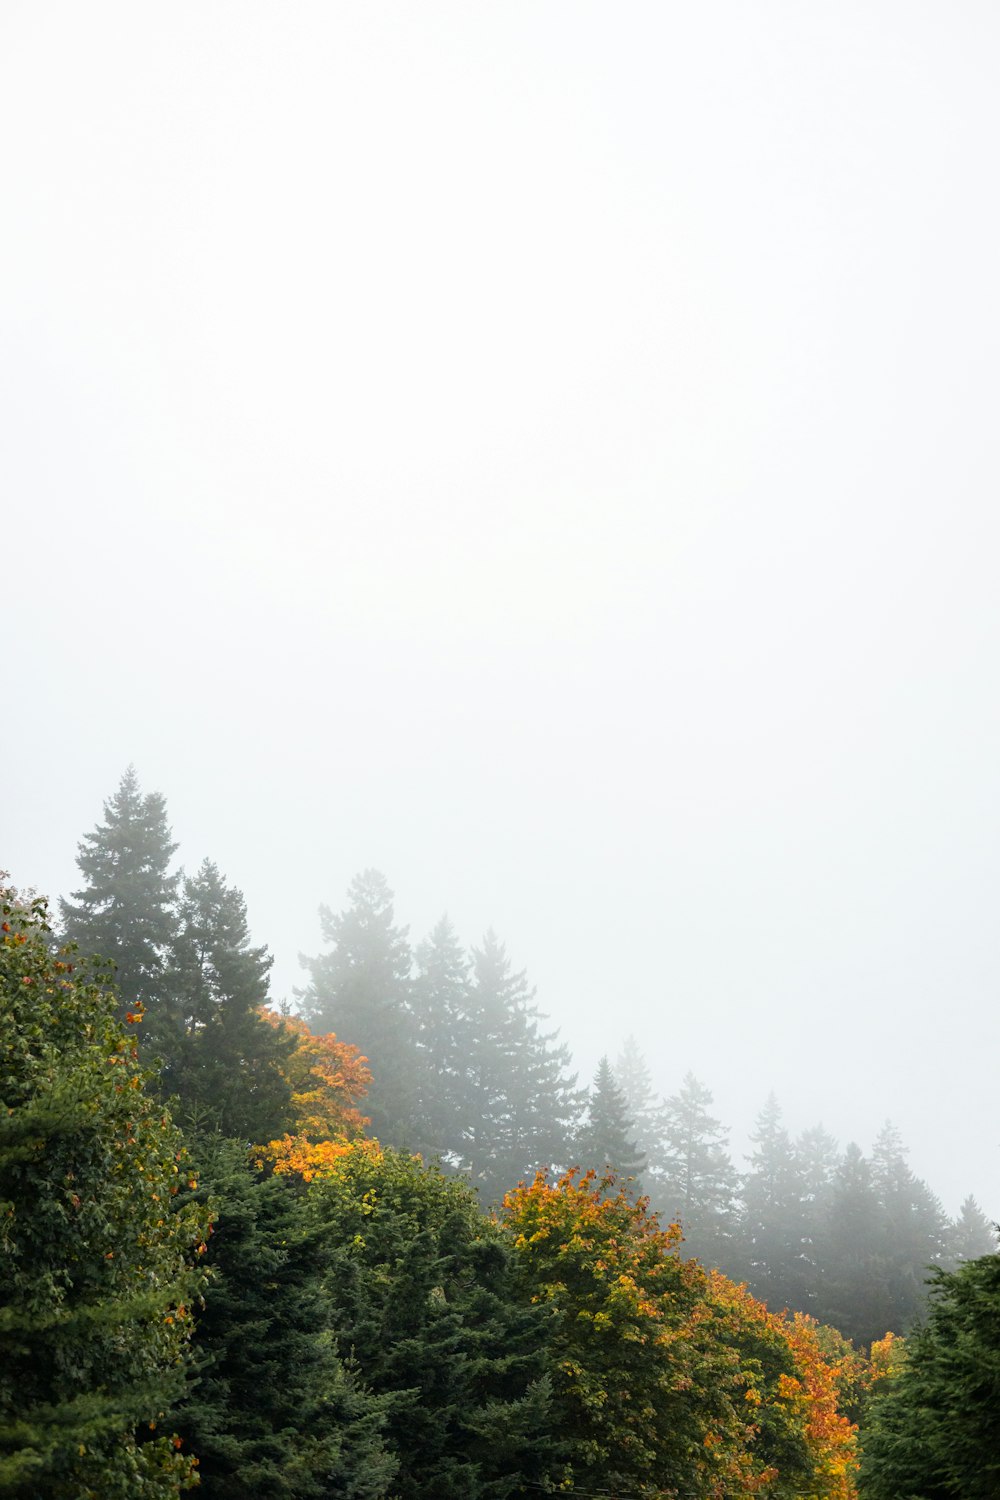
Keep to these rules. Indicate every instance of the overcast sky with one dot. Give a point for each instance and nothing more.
(547, 452)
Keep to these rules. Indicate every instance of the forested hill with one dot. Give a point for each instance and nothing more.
(390, 1246)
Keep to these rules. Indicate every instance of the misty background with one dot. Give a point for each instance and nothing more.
(547, 453)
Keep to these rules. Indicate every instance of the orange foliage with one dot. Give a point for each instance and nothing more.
(831, 1437)
(295, 1154)
(328, 1077)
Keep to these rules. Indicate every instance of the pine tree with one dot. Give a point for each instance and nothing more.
(970, 1236)
(273, 1413)
(520, 1106)
(423, 1293)
(696, 1184)
(854, 1279)
(125, 910)
(439, 998)
(773, 1229)
(933, 1430)
(645, 1108)
(361, 990)
(913, 1226)
(604, 1142)
(220, 1058)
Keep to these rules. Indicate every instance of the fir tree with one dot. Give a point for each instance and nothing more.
(360, 990)
(854, 1292)
(520, 1106)
(439, 998)
(274, 1413)
(604, 1142)
(220, 1058)
(696, 1183)
(645, 1108)
(423, 1293)
(773, 1231)
(933, 1430)
(125, 910)
(913, 1227)
(970, 1236)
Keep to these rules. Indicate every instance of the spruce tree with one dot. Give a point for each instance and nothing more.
(520, 1105)
(933, 1430)
(969, 1236)
(645, 1108)
(274, 1413)
(605, 1141)
(854, 1293)
(360, 989)
(773, 1228)
(696, 1183)
(913, 1227)
(125, 910)
(220, 1058)
(423, 1292)
(439, 999)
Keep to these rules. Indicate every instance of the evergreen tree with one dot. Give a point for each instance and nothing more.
(818, 1156)
(854, 1292)
(970, 1236)
(645, 1109)
(220, 1057)
(913, 1227)
(933, 1431)
(423, 1294)
(361, 990)
(96, 1276)
(274, 1413)
(697, 1182)
(125, 910)
(773, 1231)
(439, 998)
(604, 1142)
(520, 1106)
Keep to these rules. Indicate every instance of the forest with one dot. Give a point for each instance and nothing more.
(386, 1244)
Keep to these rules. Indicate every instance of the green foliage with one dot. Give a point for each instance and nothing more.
(604, 1142)
(274, 1412)
(933, 1432)
(423, 1296)
(96, 1276)
(124, 913)
(219, 1058)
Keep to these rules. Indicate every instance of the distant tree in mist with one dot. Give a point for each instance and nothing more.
(913, 1226)
(970, 1235)
(695, 1181)
(645, 1108)
(360, 989)
(439, 997)
(125, 909)
(852, 1287)
(773, 1228)
(519, 1105)
(606, 1139)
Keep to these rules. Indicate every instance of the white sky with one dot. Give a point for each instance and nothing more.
(549, 452)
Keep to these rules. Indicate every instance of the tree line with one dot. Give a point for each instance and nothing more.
(287, 1300)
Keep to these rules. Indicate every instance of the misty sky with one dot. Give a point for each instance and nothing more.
(547, 452)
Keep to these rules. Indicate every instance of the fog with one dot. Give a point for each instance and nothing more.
(546, 452)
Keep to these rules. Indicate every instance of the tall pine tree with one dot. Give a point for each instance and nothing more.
(360, 989)
(439, 999)
(773, 1231)
(125, 909)
(220, 1057)
(605, 1141)
(645, 1108)
(696, 1182)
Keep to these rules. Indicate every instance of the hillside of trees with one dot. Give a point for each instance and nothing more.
(388, 1246)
